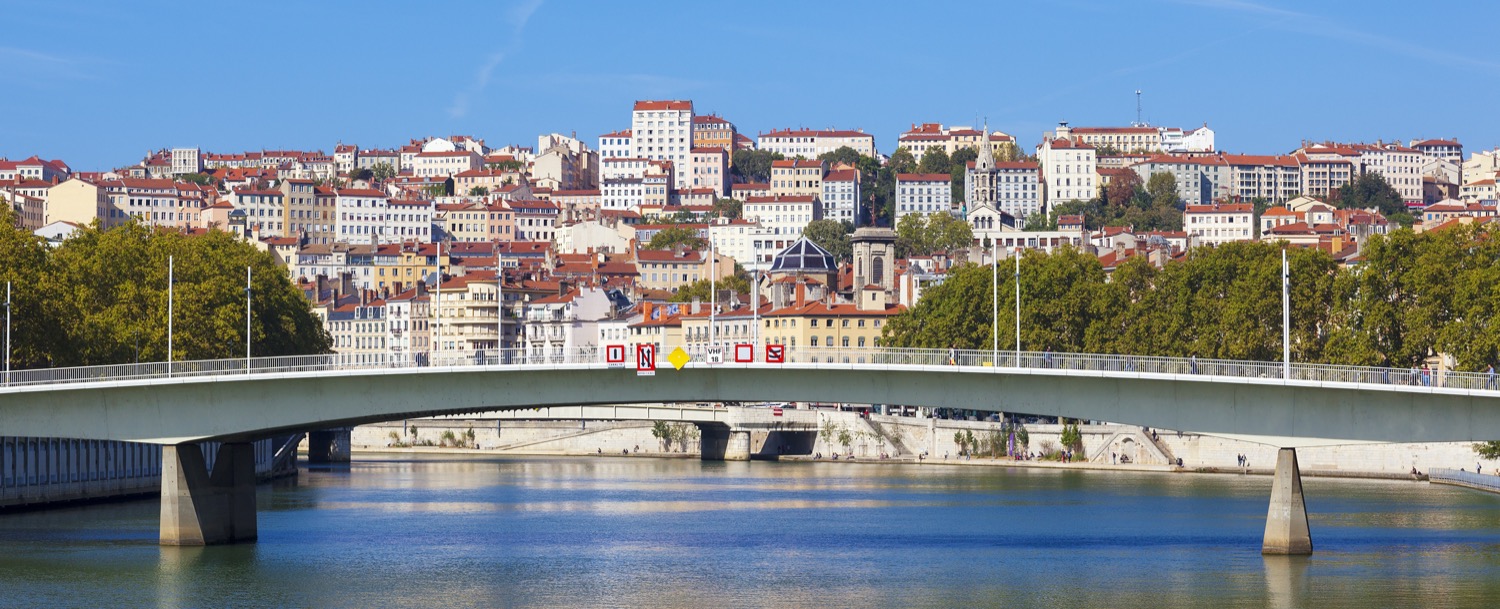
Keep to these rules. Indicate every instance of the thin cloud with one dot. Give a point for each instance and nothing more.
(1323, 27)
(30, 65)
(518, 15)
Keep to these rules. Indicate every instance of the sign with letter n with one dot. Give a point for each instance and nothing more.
(645, 360)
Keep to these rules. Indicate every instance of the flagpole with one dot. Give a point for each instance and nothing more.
(437, 296)
(7, 333)
(499, 306)
(713, 287)
(994, 306)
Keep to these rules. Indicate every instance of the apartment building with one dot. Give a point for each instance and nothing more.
(797, 177)
(812, 143)
(1220, 223)
(663, 131)
(923, 194)
(785, 215)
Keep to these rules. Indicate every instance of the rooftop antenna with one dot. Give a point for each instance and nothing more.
(1137, 108)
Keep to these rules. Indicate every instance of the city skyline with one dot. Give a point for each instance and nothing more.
(99, 98)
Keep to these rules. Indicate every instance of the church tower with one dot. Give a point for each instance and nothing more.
(982, 177)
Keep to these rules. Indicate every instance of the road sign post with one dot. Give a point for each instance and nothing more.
(614, 354)
(744, 353)
(775, 354)
(715, 355)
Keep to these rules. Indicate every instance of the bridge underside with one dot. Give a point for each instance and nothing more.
(241, 409)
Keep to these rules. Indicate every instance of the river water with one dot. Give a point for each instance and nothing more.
(616, 532)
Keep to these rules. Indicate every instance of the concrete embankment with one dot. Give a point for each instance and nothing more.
(902, 439)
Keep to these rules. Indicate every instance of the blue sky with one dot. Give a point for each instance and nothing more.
(100, 83)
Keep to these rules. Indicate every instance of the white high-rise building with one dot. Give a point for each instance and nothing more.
(663, 131)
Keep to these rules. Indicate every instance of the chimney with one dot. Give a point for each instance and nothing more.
(697, 304)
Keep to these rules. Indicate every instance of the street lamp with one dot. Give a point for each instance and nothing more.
(7, 333)
(170, 270)
(1018, 308)
(247, 320)
(1286, 319)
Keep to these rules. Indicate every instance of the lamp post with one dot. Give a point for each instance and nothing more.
(994, 305)
(437, 298)
(1018, 308)
(500, 306)
(247, 320)
(170, 269)
(1286, 319)
(713, 288)
(7, 333)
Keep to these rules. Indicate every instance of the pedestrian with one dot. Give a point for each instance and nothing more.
(1047, 358)
(952, 356)
(1413, 374)
(1426, 376)
(1193, 363)
(1478, 468)
(1489, 378)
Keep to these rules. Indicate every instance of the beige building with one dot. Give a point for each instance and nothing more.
(928, 136)
(797, 177)
(671, 269)
(307, 214)
(80, 201)
(1069, 171)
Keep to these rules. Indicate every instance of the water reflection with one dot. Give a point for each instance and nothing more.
(678, 533)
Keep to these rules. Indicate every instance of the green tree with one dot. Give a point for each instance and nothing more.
(1370, 191)
(911, 236)
(1123, 189)
(34, 322)
(669, 238)
(112, 286)
(831, 235)
(382, 171)
(479, 191)
(946, 233)
(958, 171)
(360, 173)
(728, 208)
(1041, 221)
(753, 166)
(1162, 188)
(201, 179)
(843, 154)
(701, 289)
(902, 161)
(935, 160)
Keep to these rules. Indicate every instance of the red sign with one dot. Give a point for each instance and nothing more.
(614, 354)
(744, 353)
(775, 354)
(776, 412)
(645, 360)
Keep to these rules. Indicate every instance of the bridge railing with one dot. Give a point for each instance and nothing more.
(963, 358)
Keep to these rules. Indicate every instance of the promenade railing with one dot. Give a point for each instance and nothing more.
(963, 359)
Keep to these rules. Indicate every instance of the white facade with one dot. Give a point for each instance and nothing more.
(1070, 171)
(840, 195)
(811, 143)
(557, 325)
(363, 216)
(747, 242)
(786, 216)
(1215, 224)
(444, 164)
(923, 194)
(408, 221)
(623, 194)
(663, 130)
(615, 145)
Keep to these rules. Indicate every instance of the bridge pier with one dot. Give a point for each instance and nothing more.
(201, 507)
(329, 446)
(720, 443)
(1286, 520)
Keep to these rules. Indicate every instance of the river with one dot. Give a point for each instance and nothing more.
(617, 532)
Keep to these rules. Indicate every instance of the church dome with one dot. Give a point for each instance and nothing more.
(804, 256)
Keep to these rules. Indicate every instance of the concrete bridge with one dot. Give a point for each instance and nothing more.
(235, 401)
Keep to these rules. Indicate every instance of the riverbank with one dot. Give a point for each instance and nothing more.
(979, 462)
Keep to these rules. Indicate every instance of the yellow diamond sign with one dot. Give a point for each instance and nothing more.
(679, 358)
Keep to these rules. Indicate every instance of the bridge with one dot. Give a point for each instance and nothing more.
(183, 404)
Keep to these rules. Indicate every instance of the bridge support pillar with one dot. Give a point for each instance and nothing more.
(201, 507)
(738, 448)
(328, 446)
(1286, 521)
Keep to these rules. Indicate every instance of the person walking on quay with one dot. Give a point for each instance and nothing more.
(952, 356)
(1489, 378)
(1413, 374)
(1047, 358)
(1193, 363)
(1426, 376)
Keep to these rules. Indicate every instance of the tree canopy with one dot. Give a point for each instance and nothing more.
(669, 238)
(917, 235)
(753, 166)
(101, 298)
(831, 235)
(1371, 190)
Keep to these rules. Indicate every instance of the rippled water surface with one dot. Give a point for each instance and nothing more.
(614, 532)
